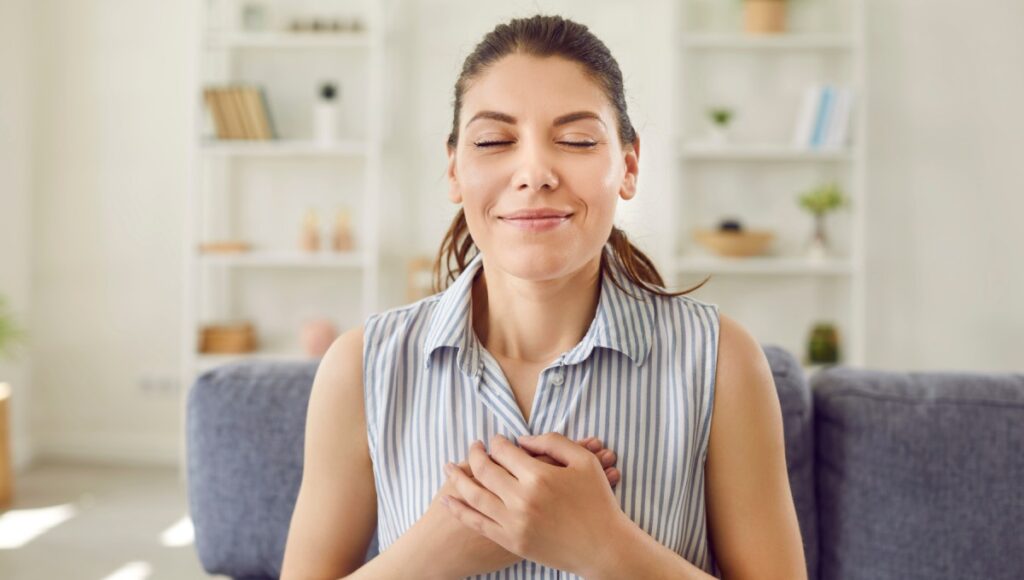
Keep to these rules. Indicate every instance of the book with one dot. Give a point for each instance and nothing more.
(821, 121)
(239, 112)
(267, 120)
(247, 131)
(231, 119)
(213, 106)
(806, 115)
(257, 113)
(840, 120)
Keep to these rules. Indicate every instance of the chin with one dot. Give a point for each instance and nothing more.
(532, 261)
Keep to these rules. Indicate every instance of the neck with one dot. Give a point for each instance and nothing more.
(534, 322)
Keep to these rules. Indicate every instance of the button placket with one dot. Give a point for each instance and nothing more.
(558, 376)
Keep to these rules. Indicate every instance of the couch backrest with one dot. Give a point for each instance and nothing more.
(245, 427)
(919, 475)
(245, 431)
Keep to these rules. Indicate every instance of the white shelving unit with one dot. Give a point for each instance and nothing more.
(259, 191)
(759, 174)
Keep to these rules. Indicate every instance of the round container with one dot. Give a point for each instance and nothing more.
(733, 243)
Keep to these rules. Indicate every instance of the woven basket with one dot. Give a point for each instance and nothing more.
(227, 338)
(733, 243)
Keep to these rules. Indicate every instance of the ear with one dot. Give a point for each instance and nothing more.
(453, 181)
(631, 161)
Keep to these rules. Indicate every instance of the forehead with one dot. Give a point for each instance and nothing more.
(528, 85)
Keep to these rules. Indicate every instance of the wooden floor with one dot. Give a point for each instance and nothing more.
(98, 522)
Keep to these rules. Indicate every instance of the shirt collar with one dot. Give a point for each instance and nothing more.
(624, 320)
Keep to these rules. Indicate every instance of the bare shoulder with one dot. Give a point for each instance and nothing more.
(345, 356)
(739, 353)
(751, 516)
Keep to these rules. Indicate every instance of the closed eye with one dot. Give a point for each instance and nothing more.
(580, 144)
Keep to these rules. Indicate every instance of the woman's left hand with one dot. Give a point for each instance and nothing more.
(563, 517)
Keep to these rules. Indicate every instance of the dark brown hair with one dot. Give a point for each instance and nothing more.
(545, 36)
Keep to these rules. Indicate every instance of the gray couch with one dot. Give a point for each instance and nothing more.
(894, 475)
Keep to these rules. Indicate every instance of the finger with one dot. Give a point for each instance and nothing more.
(490, 472)
(593, 445)
(614, 476)
(607, 457)
(515, 459)
(558, 447)
(546, 459)
(474, 495)
(473, 519)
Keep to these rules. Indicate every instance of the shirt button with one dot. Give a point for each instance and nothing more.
(558, 378)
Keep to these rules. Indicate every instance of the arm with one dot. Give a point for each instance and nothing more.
(752, 519)
(336, 510)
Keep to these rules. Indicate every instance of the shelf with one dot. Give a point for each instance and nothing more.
(326, 259)
(794, 41)
(760, 152)
(283, 148)
(223, 40)
(764, 265)
(205, 362)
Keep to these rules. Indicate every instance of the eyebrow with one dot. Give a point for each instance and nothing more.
(564, 119)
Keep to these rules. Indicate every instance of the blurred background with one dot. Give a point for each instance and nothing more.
(186, 184)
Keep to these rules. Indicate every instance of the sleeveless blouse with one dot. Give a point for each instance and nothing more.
(642, 380)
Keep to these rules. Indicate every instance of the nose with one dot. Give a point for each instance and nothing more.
(535, 169)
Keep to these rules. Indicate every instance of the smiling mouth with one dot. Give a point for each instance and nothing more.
(537, 223)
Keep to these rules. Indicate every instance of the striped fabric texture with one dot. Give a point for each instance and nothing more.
(641, 379)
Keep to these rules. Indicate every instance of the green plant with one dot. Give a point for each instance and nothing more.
(720, 116)
(10, 333)
(823, 199)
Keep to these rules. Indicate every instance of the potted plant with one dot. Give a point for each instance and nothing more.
(823, 344)
(764, 16)
(10, 334)
(819, 201)
(720, 118)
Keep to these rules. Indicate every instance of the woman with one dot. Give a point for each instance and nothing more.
(554, 339)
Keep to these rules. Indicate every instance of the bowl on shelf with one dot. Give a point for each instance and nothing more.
(734, 243)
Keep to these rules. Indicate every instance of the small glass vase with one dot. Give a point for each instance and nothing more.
(817, 247)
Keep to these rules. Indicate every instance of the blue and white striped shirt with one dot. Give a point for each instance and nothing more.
(641, 380)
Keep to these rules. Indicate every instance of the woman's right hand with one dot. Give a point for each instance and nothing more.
(467, 552)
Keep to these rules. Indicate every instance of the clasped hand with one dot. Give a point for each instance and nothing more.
(562, 516)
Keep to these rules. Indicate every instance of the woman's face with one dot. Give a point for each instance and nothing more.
(537, 134)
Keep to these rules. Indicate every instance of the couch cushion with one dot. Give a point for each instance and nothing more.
(919, 475)
(798, 425)
(245, 432)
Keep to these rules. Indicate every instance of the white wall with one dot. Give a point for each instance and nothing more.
(112, 124)
(108, 187)
(946, 185)
(16, 85)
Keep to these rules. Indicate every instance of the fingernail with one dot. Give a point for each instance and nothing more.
(448, 468)
(446, 501)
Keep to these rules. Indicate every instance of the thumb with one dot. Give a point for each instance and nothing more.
(554, 445)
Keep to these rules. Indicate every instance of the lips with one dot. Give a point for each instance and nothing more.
(537, 221)
(540, 213)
